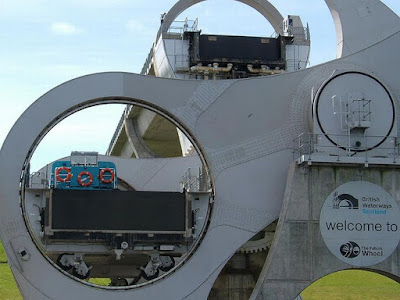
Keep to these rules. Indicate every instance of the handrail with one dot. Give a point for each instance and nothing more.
(195, 183)
(147, 62)
(118, 129)
(313, 146)
(180, 27)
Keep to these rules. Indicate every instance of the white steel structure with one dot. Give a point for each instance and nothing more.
(245, 149)
(182, 51)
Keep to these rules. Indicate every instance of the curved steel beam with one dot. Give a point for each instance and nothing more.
(264, 7)
(361, 24)
(136, 141)
(255, 148)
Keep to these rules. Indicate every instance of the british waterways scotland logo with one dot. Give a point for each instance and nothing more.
(344, 201)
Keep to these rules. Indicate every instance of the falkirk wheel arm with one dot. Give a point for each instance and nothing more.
(361, 24)
(264, 7)
(243, 131)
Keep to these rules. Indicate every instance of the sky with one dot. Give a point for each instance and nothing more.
(45, 43)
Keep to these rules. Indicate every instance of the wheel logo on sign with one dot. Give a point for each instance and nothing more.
(350, 250)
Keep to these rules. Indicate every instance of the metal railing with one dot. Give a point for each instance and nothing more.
(300, 32)
(320, 147)
(148, 62)
(119, 128)
(297, 64)
(195, 183)
(39, 180)
(189, 182)
(179, 27)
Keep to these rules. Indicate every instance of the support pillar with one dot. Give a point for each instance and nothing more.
(298, 255)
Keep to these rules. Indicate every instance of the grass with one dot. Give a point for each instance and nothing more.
(3, 257)
(344, 285)
(353, 285)
(99, 281)
(8, 287)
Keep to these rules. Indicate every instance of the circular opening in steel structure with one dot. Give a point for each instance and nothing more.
(358, 143)
(114, 100)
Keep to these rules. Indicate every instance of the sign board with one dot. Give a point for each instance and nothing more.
(360, 223)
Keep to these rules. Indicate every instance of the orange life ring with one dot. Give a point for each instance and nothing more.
(108, 170)
(61, 179)
(89, 176)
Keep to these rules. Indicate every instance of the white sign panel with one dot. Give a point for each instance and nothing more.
(360, 223)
